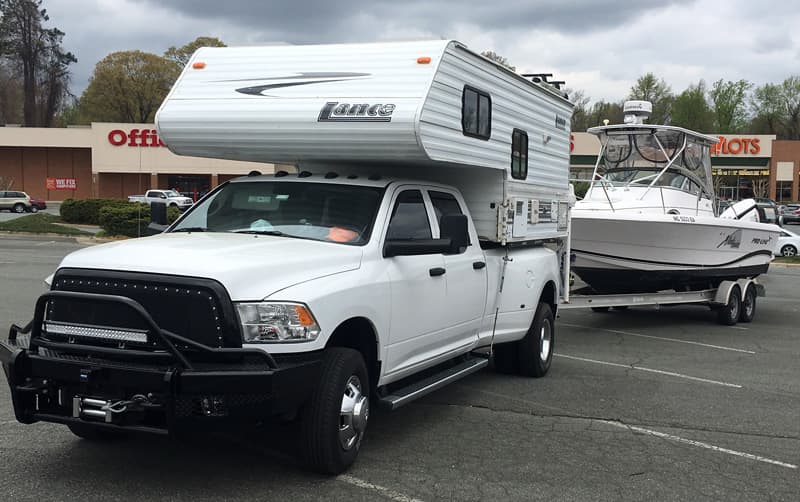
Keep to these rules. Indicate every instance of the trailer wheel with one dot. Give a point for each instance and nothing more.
(748, 311)
(536, 349)
(728, 314)
(90, 433)
(505, 358)
(335, 418)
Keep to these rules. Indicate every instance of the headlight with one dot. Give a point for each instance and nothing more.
(276, 322)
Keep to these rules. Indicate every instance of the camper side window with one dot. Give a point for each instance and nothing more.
(476, 113)
(519, 154)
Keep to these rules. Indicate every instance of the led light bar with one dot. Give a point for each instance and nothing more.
(116, 335)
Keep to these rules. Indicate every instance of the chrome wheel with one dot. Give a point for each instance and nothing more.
(546, 338)
(354, 414)
(789, 251)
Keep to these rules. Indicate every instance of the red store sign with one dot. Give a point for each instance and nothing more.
(135, 137)
(61, 184)
(736, 146)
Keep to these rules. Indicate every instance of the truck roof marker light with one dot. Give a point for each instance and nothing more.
(331, 175)
(304, 174)
(423, 60)
(198, 65)
(281, 174)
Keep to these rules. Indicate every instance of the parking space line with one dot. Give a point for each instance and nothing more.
(650, 370)
(700, 444)
(627, 333)
(383, 491)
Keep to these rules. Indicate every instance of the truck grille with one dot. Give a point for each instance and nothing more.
(197, 309)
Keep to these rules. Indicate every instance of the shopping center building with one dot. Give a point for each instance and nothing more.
(117, 160)
(105, 160)
(742, 165)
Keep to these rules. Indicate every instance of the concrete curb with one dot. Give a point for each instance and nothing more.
(84, 239)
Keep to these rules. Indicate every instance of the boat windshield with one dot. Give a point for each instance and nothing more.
(657, 158)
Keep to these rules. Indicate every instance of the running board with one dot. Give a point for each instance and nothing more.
(427, 385)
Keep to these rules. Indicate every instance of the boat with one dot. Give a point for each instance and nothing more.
(648, 221)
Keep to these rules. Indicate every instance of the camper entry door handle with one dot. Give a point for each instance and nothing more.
(437, 271)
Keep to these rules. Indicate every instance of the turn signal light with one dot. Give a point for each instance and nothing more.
(423, 60)
(199, 65)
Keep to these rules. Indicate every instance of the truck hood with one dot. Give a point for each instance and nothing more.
(251, 267)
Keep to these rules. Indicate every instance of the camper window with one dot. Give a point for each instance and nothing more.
(476, 113)
(519, 155)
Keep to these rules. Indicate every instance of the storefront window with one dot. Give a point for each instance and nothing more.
(784, 191)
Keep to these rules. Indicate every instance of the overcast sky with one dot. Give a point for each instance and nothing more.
(598, 46)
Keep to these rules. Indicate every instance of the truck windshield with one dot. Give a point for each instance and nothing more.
(317, 211)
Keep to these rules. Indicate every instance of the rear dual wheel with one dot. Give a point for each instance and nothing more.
(532, 355)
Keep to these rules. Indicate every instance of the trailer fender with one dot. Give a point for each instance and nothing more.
(725, 288)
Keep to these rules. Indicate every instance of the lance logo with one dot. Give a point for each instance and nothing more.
(333, 111)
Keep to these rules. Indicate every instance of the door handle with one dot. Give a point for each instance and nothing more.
(477, 265)
(437, 271)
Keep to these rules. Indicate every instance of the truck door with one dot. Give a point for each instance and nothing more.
(466, 275)
(418, 287)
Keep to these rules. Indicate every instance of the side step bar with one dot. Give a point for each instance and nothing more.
(405, 395)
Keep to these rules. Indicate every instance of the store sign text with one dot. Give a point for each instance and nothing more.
(736, 146)
(61, 184)
(136, 137)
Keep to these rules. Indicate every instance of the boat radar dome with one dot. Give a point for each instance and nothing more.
(636, 112)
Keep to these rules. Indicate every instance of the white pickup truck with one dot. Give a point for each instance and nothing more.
(423, 249)
(170, 197)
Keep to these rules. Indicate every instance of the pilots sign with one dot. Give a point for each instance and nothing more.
(735, 145)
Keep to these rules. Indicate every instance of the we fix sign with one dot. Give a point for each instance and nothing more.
(61, 184)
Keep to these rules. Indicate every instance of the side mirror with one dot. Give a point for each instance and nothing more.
(158, 218)
(455, 228)
(414, 247)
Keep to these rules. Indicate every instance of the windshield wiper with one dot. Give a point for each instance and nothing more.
(191, 229)
(263, 232)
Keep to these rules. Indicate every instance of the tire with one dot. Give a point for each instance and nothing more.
(340, 397)
(788, 250)
(505, 358)
(34, 209)
(19, 207)
(620, 307)
(748, 310)
(90, 433)
(600, 309)
(728, 314)
(536, 350)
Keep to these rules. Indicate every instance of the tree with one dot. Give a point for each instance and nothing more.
(768, 109)
(690, 109)
(180, 55)
(10, 95)
(38, 53)
(497, 58)
(657, 92)
(127, 86)
(790, 93)
(580, 114)
(602, 111)
(728, 101)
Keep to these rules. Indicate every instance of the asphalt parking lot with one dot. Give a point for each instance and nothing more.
(639, 405)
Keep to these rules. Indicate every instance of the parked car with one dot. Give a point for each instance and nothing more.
(170, 197)
(37, 205)
(14, 201)
(791, 213)
(788, 244)
(768, 210)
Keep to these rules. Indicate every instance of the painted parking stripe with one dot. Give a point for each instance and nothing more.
(676, 340)
(650, 370)
(380, 490)
(699, 444)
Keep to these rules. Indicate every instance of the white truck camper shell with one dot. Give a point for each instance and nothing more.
(425, 110)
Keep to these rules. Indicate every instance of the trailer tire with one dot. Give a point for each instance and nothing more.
(728, 314)
(90, 433)
(748, 310)
(536, 349)
(505, 358)
(600, 309)
(335, 418)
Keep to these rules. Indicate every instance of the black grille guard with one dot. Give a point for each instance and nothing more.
(166, 338)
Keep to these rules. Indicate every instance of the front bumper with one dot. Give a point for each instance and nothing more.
(159, 393)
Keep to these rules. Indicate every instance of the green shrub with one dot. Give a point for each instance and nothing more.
(86, 211)
(130, 218)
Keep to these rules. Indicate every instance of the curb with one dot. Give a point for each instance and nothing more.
(83, 239)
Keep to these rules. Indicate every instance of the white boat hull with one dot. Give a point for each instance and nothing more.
(621, 252)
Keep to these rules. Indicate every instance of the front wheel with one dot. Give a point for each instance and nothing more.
(788, 250)
(536, 349)
(748, 311)
(335, 418)
(728, 314)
